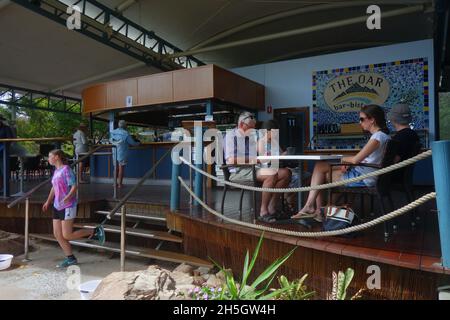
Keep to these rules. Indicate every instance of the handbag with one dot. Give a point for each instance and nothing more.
(337, 217)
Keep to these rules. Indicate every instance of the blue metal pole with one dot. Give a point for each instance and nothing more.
(209, 108)
(175, 186)
(198, 140)
(441, 168)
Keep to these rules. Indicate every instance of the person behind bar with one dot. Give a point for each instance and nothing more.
(371, 119)
(121, 138)
(63, 194)
(241, 148)
(81, 145)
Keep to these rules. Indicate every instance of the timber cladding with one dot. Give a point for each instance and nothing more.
(204, 82)
(227, 245)
(12, 219)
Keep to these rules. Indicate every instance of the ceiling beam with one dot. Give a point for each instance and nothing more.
(351, 45)
(4, 3)
(296, 32)
(299, 11)
(124, 5)
(99, 77)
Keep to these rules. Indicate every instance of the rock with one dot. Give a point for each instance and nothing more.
(115, 286)
(185, 268)
(198, 281)
(213, 281)
(221, 276)
(201, 271)
(155, 283)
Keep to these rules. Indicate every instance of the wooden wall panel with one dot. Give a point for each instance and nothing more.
(228, 248)
(231, 87)
(225, 85)
(199, 83)
(155, 89)
(94, 98)
(192, 84)
(119, 90)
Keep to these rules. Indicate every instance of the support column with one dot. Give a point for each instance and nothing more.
(175, 184)
(198, 160)
(441, 168)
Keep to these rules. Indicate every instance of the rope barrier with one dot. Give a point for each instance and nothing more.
(360, 227)
(393, 167)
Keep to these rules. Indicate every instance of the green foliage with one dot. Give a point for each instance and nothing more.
(259, 288)
(297, 290)
(341, 281)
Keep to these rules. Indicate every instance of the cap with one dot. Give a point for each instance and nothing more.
(400, 113)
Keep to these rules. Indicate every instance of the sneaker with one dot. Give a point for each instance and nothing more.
(67, 262)
(99, 235)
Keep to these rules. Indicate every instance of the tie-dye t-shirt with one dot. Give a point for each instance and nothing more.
(63, 179)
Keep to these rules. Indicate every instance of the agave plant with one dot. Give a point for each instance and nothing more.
(259, 288)
(297, 289)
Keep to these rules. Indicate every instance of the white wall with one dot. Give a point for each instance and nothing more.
(288, 83)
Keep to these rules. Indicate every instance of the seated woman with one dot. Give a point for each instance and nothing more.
(372, 119)
(270, 147)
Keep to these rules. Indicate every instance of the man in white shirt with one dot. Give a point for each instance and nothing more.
(81, 145)
(241, 148)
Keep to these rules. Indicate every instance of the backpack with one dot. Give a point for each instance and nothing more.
(337, 217)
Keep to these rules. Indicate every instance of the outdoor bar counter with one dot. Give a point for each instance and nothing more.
(140, 159)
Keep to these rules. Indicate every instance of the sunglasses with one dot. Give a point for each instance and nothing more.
(248, 117)
(362, 119)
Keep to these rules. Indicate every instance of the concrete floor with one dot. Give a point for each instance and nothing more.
(39, 279)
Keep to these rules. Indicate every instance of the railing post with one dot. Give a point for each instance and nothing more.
(123, 226)
(441, 168)
(175, 184)
(198, 145)
(115, 168)
(26, 231)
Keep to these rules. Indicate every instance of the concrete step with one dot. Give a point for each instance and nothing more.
(134, 251)
(133, 216)
(143, 233)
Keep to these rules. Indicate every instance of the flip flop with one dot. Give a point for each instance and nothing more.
(267, 218)
(303, 215)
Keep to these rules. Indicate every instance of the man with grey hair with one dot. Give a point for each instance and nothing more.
(241, 148)
(122, 140)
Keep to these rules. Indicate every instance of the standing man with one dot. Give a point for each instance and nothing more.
(81, 145)
(122, 139)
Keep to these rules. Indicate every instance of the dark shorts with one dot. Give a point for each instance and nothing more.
(65, 214)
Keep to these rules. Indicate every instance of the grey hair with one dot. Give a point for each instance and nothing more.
(122, 124)
(244, 115)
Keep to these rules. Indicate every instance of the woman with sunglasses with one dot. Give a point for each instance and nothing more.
(372, 120)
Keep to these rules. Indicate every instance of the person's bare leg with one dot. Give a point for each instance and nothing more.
(63, 243)
(319, 176)
(120, 176)
(284, 176)
(268, 181)
(68, 233)
(337, 174)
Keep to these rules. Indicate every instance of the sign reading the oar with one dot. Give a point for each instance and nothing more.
(350, 92)
(338, 95)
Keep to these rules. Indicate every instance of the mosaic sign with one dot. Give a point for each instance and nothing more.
(350, 92)
(338, 94)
